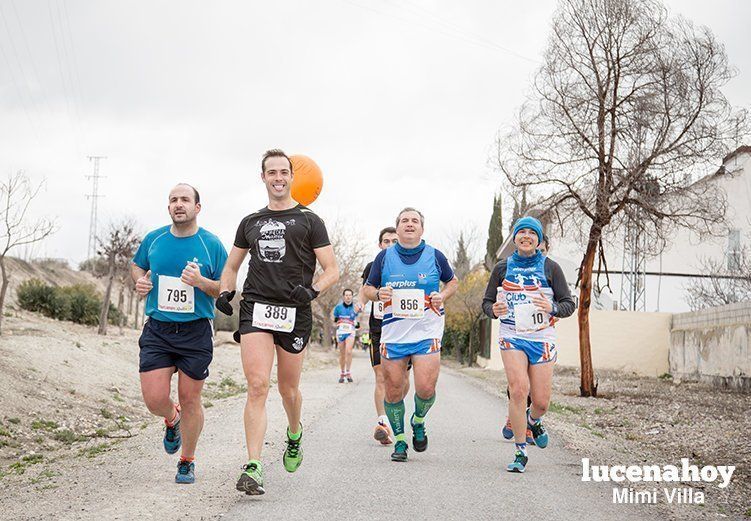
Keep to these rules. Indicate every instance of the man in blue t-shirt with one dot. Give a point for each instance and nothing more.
(177, 268)
(345, 321)
(407, 278)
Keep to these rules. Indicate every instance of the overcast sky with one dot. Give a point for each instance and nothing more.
(398, 102)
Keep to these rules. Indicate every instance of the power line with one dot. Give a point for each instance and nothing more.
(61, 68)
(21, 68)
(449, 29)
(72, 63)
(34, 68)
(20, 95)
(94, 196)
(488, 43)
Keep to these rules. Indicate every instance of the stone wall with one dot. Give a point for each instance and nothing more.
(713, 346)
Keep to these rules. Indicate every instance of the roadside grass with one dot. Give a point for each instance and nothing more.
(225, 388)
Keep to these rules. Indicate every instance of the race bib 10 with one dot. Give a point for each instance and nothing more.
(274, 318)
(408, 303)
(378, 310)
(175, 296)
(529, 319)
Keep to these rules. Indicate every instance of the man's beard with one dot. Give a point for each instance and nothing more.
(185, 223)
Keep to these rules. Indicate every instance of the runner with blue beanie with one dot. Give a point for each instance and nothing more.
(528, 293)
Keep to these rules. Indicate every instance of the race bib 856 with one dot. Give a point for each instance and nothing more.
(408, 303)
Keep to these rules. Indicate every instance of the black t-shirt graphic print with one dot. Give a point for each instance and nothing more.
(281, 245)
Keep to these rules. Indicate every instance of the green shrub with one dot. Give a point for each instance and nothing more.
(84, 304)
(34, 295)
(79, 303)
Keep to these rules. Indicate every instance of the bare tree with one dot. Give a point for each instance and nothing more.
(626, 106)
(350, 254)
(118, 248)
(729, 281)
(16, 195)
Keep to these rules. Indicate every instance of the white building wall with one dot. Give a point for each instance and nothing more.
(685, 252)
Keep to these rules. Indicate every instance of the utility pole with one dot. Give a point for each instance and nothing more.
(94, 195)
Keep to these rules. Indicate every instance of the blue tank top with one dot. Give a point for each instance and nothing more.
(422, 275)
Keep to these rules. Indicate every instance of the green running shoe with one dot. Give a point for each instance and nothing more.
(293, 455)
(251, 480)
(400, 451)
(419, 438)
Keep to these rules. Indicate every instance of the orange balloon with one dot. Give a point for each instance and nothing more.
(308, 180)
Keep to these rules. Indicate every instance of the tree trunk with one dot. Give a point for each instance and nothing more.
(3, 290)
(137, 316)
(103, 315)
(130, 305)
(587, 386)
(121, 304)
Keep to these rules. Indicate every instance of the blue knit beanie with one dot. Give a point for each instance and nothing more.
(531, 223)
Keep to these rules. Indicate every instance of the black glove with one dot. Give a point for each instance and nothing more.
(223, 302)
(302, 295)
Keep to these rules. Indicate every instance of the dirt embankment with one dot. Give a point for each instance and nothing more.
(67, 392)
(52, 271)
(637, 420)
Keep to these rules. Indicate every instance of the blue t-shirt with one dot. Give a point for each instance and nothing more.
(164, 254)
(344, 313)
(409, 257)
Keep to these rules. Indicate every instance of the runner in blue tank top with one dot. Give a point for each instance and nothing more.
(177, 268)
(407, 278)
(528, 293)
(345, 319)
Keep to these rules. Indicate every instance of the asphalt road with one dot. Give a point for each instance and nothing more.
(345, 474)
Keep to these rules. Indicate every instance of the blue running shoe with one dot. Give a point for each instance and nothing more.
(507, 432)
(185, 472)
(539, 434)
(519, 464)
(172, 438)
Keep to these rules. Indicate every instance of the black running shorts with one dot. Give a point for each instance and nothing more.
(187, 346)
(293, 342)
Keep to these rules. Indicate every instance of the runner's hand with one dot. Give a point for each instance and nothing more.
(144, 284)
(500, 309)
(223, 302)
(191, 274)
(542, 303)
(302, 295)
(385, 293)
(436, 300)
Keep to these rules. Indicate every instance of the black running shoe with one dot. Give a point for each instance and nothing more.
(400, 451)
(419, 438)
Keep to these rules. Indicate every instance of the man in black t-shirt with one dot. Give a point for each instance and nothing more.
(382, 433)
(284, 241)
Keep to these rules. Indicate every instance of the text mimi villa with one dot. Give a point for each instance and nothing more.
(685, 473)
